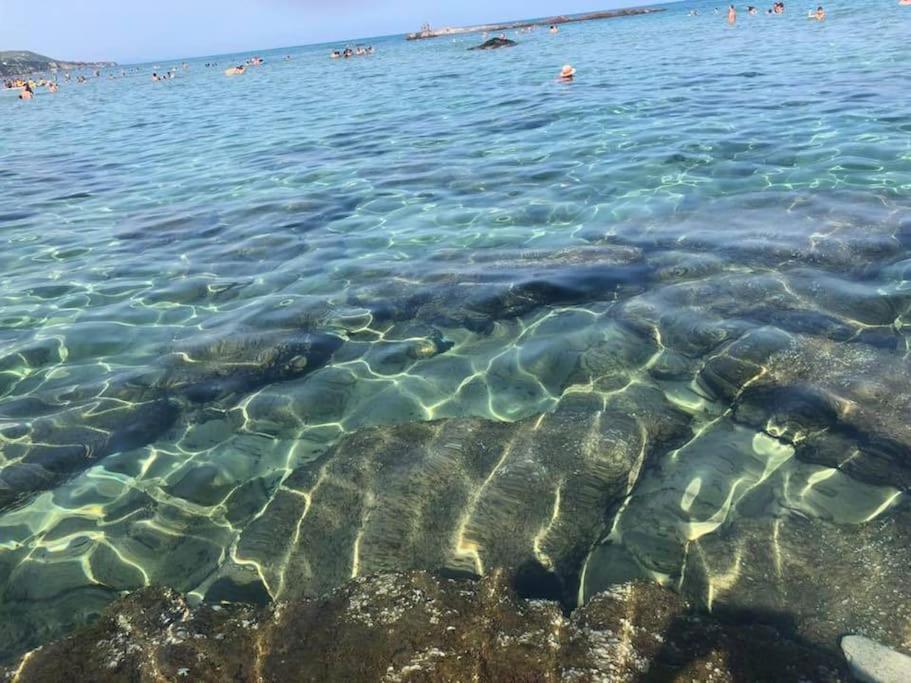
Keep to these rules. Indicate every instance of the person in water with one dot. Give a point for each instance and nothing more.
(236, 70)
(567, 74)
(52, 88)
(904, 2)
(732, 15)
(820, 14)
(751, 11)
(335, 54)
(27, 92)
(554, 29)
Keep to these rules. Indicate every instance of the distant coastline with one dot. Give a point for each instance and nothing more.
(508, 26)
(21, 63)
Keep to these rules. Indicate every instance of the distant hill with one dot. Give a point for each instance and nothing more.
(24, 63)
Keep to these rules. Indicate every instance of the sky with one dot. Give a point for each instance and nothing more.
(131, 31)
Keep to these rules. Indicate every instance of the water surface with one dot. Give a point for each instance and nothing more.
(432, 309)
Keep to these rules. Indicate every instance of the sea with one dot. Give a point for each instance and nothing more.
(433, 309)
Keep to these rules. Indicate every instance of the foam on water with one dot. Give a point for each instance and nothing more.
(430, 308)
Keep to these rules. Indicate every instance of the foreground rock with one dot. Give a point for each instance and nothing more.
(418, 627)
(870, 662)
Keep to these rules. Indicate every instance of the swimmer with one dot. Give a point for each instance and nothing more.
(235, 71)
(155, 76)
(751, 10)
(567, 74)
(732, 15)
(52, 88)
(27, 92)
(335, 54)
(820, 14)
(554, 29)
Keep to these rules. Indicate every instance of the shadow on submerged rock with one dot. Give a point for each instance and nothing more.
(420, 627)
(45, 452)
(486, 292)
(130, 412)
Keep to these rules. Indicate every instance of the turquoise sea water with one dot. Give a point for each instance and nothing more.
(229, 305)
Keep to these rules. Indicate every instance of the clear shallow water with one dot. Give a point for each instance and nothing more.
(230, 307)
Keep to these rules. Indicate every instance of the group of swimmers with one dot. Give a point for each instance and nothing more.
(778, 8)
(348, 52)
(241, 69)
(28, 88)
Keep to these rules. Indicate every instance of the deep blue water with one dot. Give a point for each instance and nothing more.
(208, 282)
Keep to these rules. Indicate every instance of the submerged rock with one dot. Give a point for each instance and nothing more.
(466, 495)
(484, 292)
(225, 367)
(741, 526)
(839, 405)
(421, 627)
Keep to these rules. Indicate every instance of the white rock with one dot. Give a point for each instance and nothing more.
(874, 663)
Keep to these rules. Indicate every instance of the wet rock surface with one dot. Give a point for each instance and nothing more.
(421, 627)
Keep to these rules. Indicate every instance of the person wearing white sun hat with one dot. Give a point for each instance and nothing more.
(567, 73)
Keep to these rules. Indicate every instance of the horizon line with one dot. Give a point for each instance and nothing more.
(242, 51)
